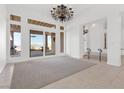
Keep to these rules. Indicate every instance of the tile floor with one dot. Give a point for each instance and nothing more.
(100, 76)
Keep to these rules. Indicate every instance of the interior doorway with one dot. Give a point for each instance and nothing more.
(95, 40)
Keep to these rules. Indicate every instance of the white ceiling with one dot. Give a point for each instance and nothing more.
(48, 7)
(44, 9)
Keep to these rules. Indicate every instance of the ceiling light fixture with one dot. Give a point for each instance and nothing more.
(93, 25)
(62, 13)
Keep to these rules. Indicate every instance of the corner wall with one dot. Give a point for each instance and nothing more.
(3, 21)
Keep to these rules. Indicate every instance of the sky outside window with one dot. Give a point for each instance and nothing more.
(17, 39)
(36, 41)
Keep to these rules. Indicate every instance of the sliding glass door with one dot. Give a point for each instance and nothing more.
(43, 44)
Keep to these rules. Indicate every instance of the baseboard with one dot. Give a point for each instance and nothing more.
(33, 58)
(2, 67)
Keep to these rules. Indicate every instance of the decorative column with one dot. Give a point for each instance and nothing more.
(114, 39)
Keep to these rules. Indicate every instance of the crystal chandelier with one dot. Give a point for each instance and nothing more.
(62, 13)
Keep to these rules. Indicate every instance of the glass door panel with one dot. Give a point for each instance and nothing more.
(36, 43)
(50, 39)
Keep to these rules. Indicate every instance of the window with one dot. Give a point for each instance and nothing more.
(39, 23)
(50, 39)
(61, 27)
(15, 40)
(36, 43)
(15, 18)
(61, 42)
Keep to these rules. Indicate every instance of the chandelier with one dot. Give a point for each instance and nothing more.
(62, 13)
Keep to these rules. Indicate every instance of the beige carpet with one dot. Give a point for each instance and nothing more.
(39, 73)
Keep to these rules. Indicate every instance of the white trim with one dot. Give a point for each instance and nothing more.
(2, 66)
(35, 58)
(15, 22)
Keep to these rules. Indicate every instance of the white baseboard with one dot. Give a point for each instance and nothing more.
(16, 60)
(2, 66)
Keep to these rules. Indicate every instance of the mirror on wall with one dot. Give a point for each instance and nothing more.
(36, 43)
(15, 40)
(50, 43)
(95, 38)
